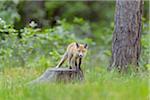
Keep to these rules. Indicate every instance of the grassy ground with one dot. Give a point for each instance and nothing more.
(99, 85)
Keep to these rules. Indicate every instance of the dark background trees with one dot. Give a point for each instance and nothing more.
(47, 12)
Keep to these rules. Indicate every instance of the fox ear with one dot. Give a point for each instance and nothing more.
(86, 46)
(77, 45)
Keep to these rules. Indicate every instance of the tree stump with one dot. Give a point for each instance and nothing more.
(59, 75)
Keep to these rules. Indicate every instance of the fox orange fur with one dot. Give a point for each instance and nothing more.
(74, 54)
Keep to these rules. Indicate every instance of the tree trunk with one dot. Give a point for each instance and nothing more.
(126, 37)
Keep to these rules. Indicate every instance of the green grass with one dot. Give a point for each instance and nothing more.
(98, 85)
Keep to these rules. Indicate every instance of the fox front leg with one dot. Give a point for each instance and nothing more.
(80, 70)
(73, 62)
(80, 61)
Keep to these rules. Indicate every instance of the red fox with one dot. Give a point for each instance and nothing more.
(74, 54)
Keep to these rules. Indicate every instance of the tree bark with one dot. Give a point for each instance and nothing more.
(127, 33)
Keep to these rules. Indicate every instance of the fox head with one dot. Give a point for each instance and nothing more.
(81, 49)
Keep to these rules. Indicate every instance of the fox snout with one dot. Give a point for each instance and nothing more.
(80, 55)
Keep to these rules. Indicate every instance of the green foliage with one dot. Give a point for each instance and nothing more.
(35, 46)
(145, 49)
(8, 11)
